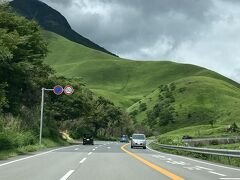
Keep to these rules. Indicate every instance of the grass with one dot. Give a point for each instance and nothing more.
(234, 146)
(129, 83)
(46, 143)
(124, 81)
(200, 131)
(204, 98)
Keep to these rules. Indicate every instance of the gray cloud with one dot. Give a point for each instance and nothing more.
(199, 32)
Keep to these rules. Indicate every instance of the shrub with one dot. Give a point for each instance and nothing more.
(143, 107)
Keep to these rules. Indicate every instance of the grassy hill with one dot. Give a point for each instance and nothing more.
(198, 100)
(201, 95)
(123, 81)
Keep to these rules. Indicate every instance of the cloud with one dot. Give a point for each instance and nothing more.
(202, 32)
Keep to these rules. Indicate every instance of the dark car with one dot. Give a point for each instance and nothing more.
(124, 139)
(88, 139)
(186, 137)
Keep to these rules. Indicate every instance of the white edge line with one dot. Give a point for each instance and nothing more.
(231, 178)
(82, 160)
(212, 172)
(195, 160)
(40, 154)
(66, 176)
(89, 153)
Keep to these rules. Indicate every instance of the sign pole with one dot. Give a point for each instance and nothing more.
(41, 120)
(57, 90)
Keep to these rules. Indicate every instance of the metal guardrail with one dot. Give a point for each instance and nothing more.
(218, 152)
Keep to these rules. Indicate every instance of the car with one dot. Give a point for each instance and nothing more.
(186, 137)
(88, 139)
(138, 140)
(124, 139)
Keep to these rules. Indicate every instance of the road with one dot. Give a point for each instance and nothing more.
(111, 161)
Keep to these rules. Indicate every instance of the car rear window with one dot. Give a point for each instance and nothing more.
(138, 136)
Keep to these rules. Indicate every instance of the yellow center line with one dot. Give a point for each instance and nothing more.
(153, 166)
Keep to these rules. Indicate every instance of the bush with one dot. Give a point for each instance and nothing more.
(143, 107)
(10, 139)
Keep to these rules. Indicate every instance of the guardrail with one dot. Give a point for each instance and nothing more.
(218, 152)
(207, 141)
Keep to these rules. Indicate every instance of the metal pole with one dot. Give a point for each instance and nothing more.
(41, 120)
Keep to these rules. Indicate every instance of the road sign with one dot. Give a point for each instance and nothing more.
(68, 90)
(58, 90)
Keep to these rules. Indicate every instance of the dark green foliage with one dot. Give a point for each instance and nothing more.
(21, 67)
(142, 107)
(163, 113)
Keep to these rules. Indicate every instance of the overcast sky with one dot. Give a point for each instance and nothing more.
(201, 32)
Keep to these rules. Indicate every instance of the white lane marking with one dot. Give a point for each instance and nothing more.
(158, 156)
(40, 154)
(76, 149)
(204, 168)
(66, 176)
(194, 160)
(231, 178)
(109, 147)
(192, 168)
(89, 153)
(212, 172)
(82, 160)
(94, 149)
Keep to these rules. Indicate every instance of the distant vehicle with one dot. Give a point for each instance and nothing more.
(186, 137)
(138, 140)
(88, 139)
(124, 139)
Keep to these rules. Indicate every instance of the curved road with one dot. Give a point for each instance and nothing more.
(111, 161)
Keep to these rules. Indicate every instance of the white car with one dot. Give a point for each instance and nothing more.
(138, 140)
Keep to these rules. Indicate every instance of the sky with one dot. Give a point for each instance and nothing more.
(200, 32)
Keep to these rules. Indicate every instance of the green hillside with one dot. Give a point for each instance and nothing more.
(123, 81)
(197, 101)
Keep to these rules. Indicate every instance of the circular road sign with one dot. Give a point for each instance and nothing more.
(58, 90)
(68, 90)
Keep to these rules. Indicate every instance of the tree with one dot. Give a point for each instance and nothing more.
(22, 49)
(143, 107)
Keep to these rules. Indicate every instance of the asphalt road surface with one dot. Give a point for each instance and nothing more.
(111, 161)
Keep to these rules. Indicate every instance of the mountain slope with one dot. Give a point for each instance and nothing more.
(51, 20)
(198, 100)
(114, 77)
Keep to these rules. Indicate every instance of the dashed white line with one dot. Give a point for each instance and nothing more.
(76, 149)
(212, 172)
(89, 153)
(109, 147)
(82, 161)
(66, 176)
(94, 149)
(204, 168)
